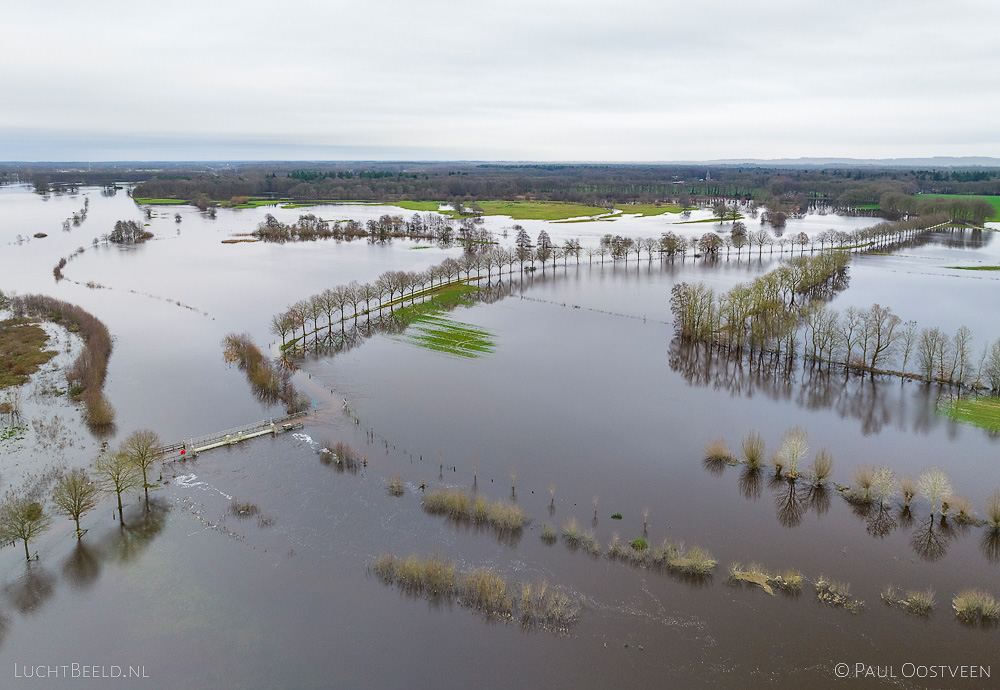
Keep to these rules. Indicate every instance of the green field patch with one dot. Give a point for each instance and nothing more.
(21, 352)
(431, 328)
(975, 268)
(443, 334)
(423, 246)
(993, 200)
(983, 411)
(539, 210)
(158, 202)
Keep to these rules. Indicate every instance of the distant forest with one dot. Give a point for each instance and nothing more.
(884, 189)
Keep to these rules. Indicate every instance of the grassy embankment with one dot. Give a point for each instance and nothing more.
(21, 351)
(975, 268)
(982, 412)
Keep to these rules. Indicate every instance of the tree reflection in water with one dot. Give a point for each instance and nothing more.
(139, 529)
(29, 592)
(930, 539)
(876, 404)
(790, 499)
(83, 566)
(990, 545)
(751, 483)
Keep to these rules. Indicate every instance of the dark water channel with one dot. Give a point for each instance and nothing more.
(585, 389)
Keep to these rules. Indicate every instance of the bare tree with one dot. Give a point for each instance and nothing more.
(74, 495)
(881, 332)
(118, 475)
(908, 338)
(22, 518)
(933, 485)
(142, 448)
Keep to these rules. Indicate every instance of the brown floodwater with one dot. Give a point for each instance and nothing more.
(585, 389)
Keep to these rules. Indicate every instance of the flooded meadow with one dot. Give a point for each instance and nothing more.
(564, 391)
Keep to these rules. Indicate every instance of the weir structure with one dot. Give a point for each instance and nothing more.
(193, 446)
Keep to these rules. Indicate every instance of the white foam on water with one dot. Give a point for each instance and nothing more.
(305, 438)
(189, 481)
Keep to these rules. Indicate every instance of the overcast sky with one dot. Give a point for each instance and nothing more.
(513, 80)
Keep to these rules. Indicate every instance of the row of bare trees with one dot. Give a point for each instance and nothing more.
(115, 473)
(783, 310)
(430, 226)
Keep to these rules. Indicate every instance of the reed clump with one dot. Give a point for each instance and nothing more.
(974, 606)
(483, 590)
(861, 489)
(460, 506)
(589, 543)
(243, 509)
(394, 485)
(821, 468)
(908, 487)
(693, 561)
(617, 550)
(547, 607)
(753, 450)
(549, 534)
(837, 594)
(919, 603)
(718, 451)
(993, 511)
(571, 532)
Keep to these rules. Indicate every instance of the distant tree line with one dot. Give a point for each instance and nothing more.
(590, 184)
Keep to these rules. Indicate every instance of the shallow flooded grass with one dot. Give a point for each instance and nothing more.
(982, 411)
(787, 581)
(976, 607)
(837, 594)
(917, 602)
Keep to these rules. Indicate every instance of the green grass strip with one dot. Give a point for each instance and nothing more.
(983, 411)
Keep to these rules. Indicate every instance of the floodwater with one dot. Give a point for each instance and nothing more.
(585, 389)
